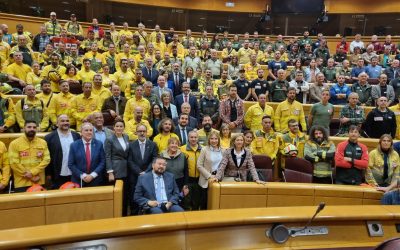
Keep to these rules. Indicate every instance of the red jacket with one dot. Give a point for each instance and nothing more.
(339, 156)
(100, 29)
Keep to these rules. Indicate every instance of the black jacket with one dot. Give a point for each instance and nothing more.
(379, 123)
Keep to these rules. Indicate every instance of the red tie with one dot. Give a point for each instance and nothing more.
(186, 98)
(88, 158)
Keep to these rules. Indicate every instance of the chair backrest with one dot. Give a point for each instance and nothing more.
(262, 162)
(298, 170)
(264, 167)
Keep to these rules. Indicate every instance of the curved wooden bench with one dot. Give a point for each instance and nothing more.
(60, 206)
(215, 229)
(227, 195)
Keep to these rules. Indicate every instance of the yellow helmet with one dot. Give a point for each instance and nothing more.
(54, 76)
(5, 88)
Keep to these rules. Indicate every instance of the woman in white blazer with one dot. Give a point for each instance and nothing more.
(208, 164)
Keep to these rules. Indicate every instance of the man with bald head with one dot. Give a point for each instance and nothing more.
(87, 159)
(131, 125)
(161, 88)
(186, 109)
(100, 132)
(59, 142)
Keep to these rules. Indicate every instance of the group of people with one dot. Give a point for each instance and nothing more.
(178, 114)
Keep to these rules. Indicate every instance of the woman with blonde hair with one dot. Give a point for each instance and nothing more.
(225, 135)
(383, 165)
(208, 163)
(236, 163)
(176, 162)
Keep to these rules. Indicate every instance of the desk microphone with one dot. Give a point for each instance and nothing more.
(321, 206)
(280, 233)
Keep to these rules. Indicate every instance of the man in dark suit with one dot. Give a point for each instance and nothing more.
(156, 191)
(87, 159)
(186, 97)
(149, 73)
(161, 88)
(141, 154)
(185, 109)
(177, 78)
(59, 142)
(182, 130)
(115, 104)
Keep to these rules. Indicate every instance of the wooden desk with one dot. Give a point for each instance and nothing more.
(216, 229)
(60, 206)
(228, 195)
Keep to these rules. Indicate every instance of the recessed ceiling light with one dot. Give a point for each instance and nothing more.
(65, 2)
(68, 11)
(202, 18)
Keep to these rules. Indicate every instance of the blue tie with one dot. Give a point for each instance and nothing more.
(158, 190)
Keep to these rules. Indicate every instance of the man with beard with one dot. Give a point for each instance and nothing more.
(59, 142)
(206, 130)
(320, 151)
(32, 108)
(266, 140)
(351, 158)
(164, 197)
(137, 120)
(29, 156)
(287, 110)
(141, 154)
(46, 94)
(85, 104)
(54, 72)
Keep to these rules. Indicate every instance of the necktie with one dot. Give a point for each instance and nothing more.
(116, 99)
(176, 80)
(158, 190)
(186, 98)
(88, 158)
(184, 136)
(142, 149)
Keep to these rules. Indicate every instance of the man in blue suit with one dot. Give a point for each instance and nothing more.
(156, 191)
(149, 73)
(87, 159)
(186, 97)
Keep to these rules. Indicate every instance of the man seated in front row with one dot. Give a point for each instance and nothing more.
(160, 183)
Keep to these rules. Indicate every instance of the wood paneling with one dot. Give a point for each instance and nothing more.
(256, 6)
(362, 6)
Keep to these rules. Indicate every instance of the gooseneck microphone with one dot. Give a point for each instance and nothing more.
(321, 206)
(280, 233)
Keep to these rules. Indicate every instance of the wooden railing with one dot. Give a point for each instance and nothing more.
(60, 206)
(215, 229)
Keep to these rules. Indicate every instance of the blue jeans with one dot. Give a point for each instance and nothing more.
(391, 198)
(157, 210)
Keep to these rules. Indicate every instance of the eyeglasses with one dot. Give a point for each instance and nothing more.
(140, 131)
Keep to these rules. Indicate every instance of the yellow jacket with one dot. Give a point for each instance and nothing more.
(191, 155)
(103, 93)
(33, 79)
(4, 165)
(244, 55)
(162, 141)
(61, 104)
(123, 79)
(32, 156)
(251, 71)
(299, 140)
(396, 110)
(45, 74)
(82, 107)
(30, 107)
(85, 76)
(132, 103)
(374, 173)
(286, 111)
(130, 129)
(225, 143)
(45, 98)
(266, 144)
(120, 56)
(253, 116)
(9, 113)
(5, 50)
(18, 71)
(153, 37)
